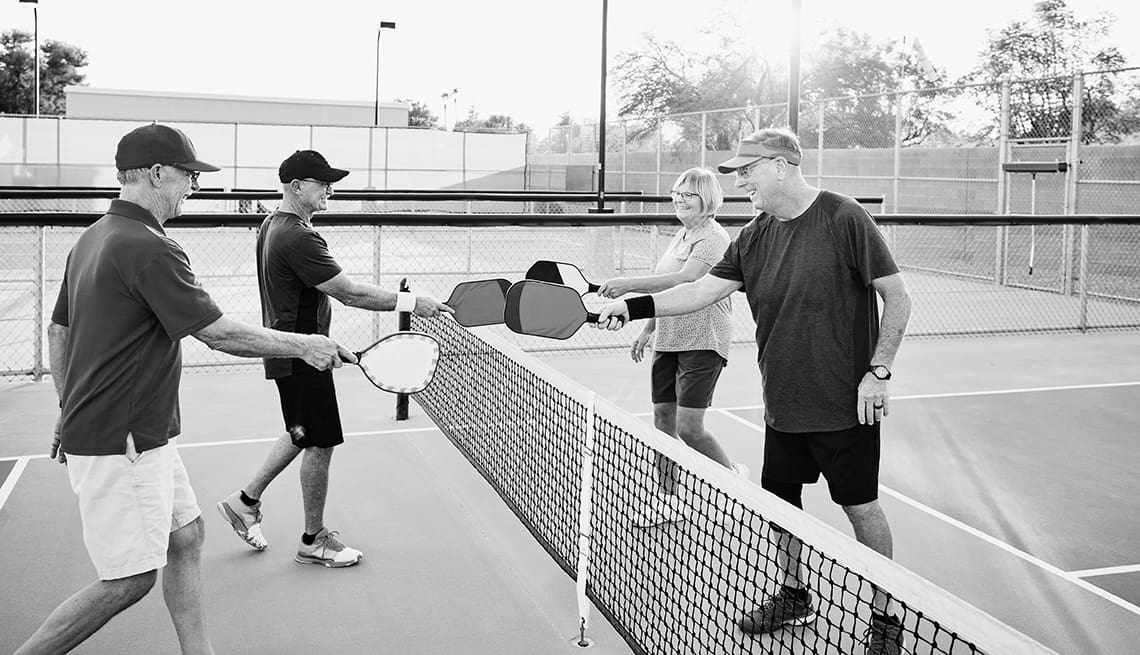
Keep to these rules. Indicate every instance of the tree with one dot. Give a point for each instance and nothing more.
(661, 77)
(59, 68)
(856, 69)
(500, 123)
(1046, 50)
(419, 115)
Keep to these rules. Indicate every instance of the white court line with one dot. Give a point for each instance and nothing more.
(993, 541)
(961, 394)
(1108, 570)
(233, 442)
(13, 477)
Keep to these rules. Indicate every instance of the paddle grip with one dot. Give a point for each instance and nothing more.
(591, 317)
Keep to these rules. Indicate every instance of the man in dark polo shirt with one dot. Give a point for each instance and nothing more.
(128, 298)
(296, 274)
(810, 266)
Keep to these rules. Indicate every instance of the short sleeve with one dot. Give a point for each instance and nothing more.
(311, 261)
(729, 267)
(60, 314)
(709, 250)
(168, 286)
(865, 249)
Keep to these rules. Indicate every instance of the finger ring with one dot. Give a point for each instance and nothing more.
(878, 406)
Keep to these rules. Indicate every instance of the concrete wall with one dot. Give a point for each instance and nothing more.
(89, 102)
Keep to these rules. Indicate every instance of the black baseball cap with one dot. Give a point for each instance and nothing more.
(153, 144)
(308, 164)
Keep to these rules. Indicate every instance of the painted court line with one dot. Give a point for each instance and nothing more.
(1108, 570)
(958, 394)
(10, 483)
(232, 442)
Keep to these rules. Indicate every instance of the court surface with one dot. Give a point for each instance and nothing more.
(1009, 477)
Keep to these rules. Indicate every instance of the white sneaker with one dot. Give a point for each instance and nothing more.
(245, 520)
(328, 550)
(741, 469)
(660, 510)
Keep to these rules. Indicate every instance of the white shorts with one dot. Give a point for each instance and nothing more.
(129, 504)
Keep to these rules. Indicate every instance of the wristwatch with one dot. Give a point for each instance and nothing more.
(880, 372)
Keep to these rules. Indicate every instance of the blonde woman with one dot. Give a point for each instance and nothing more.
(691, 349)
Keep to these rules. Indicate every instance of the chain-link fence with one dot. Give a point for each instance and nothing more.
(964, 279)
(929, 151)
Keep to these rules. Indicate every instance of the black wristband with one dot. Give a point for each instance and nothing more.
(641, 307)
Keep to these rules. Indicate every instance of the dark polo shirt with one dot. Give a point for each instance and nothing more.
(292, 259)
(128, 297)
(808, 282)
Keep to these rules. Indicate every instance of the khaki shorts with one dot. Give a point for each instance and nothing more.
(129, 504)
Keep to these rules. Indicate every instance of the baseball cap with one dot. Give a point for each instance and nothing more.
(158, 144)
(308, 164)
(756, 147)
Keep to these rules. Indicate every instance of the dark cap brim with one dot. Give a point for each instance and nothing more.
(199, 166)
(736, 163)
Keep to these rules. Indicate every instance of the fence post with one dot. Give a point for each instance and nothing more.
(58, 150)
(1082, 281)
(41, 257)
(657, 174)
(819, 148)
(704, 136)
(624, 163)
(403, 323)
(897, 153)
(371, 139)
(377, 269)
(1002, 186)
(1071, 178)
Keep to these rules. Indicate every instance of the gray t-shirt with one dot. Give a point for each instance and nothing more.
(709, 328)
(808, 283)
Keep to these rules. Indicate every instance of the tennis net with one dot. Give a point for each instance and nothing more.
(582, 475)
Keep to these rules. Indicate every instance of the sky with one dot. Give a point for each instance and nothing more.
(531, 59)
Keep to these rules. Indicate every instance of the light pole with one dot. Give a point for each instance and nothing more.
(384, 24)
(601, 208)
(444, 96)
(36, 44)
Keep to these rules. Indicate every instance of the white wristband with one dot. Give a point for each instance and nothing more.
(405, 301)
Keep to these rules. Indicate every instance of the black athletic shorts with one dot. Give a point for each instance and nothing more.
(308, 405)
(687, 378)
(848, 459)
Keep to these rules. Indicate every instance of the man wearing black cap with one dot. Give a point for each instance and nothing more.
(296, 275)
(128, 298)
(810, 265)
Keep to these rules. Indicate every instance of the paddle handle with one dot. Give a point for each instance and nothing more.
(592, 288)
(592, 317)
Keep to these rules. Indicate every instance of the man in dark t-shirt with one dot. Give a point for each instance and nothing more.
(810, 266)
(127, 299)
(296, 274)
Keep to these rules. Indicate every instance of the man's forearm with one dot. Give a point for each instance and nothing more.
(57, 359)
(892, 327)
(372, 297)
(244, 340)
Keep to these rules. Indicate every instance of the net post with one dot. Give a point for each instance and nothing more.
(403, 323)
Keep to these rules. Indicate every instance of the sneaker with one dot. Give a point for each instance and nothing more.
(741, 469)
(326, 549)
(245, 520)
(782, 609)
(884, 637)
(660, 510)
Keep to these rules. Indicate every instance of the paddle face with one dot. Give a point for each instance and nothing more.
(542, 309)
(402, 362)
(479, 302)
(561, 273)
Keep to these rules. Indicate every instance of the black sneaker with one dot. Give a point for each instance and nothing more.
(884, 637)
(786, 607)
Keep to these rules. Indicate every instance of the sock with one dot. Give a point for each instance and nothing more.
(308, 539)
(799, 593)
(886, 618)
(246, 500)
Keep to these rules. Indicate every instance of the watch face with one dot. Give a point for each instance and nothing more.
(881, 372)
